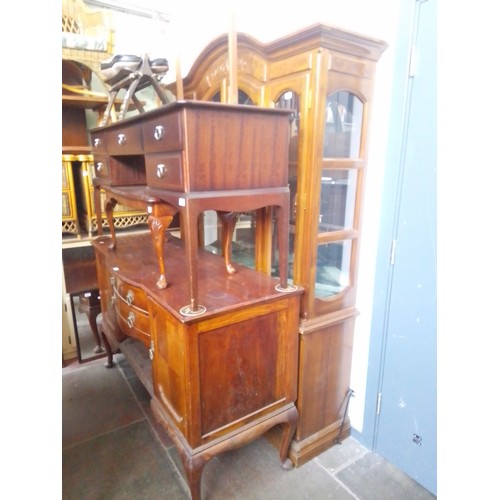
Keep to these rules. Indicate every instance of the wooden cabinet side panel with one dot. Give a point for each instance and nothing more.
(325, 369)
(248, 367)
(169, 366)
(237, 151)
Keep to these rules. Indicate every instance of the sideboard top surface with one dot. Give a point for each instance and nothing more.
(134, 261)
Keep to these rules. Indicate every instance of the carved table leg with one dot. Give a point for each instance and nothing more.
(190, 213)
(98, 208)
(157, 226)
(109, 352)
(107, 347)
(110, 206)
(228, 221)
(283, 215)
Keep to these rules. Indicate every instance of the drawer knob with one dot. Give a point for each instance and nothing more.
(121, 139)
(161, 170)
(99, 166)
(130, 319)
(159, 132)
(130, 297)
(97, 142)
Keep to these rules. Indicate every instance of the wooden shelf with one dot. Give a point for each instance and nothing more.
(82, 101)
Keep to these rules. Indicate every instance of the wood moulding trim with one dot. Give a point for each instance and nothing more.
(312, 37)
(311, 325)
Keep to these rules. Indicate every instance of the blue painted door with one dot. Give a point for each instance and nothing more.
(406, 414)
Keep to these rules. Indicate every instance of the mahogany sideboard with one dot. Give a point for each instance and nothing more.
(217, 380)
(197, 156)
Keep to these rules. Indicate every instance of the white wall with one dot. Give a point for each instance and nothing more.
(193, 25)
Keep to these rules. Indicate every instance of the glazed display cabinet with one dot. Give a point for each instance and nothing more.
(325, 77)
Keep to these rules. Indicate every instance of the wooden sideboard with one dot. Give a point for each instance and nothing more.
(197, 156)
(217, 380)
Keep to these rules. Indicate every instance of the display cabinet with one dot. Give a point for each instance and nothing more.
(325, 76)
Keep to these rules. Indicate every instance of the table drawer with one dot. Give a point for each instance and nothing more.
(124, 140)
(98, 142)
(164, 171)
(101, 167)
(162, 134)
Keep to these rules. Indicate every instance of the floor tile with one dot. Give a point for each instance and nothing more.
(95, 400)
(126, 464)
(372, 478)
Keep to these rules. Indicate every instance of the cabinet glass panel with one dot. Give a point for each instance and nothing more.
(337, 199)
(332, 269)
(344, 114)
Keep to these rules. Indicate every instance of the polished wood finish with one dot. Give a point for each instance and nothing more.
(198, 156)
(312, 63)
(217, 380)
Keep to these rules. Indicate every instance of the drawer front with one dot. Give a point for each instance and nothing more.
(131, 295)
(98, 142)
(133, 321)
(164, 171)
(101, 167)
(124, 140)
(162, 134)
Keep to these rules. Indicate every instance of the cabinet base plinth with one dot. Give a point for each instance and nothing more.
(309, 448)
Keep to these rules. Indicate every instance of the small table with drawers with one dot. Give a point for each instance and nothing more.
(195, 156)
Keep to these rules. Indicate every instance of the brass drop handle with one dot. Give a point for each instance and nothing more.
(130, 297)
(97, 142)
(130, 319)
(99, 166)
(159, 132)
(121, 139)
(161, 170)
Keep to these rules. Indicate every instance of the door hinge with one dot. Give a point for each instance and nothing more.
(379, 403)
(151, 350)
(393, 252)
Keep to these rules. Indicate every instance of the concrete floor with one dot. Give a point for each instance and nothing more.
(112, 448)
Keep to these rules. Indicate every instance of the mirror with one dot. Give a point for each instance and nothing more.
(85, 308)
(80, 277)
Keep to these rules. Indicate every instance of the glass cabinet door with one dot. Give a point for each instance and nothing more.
(338, 192)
